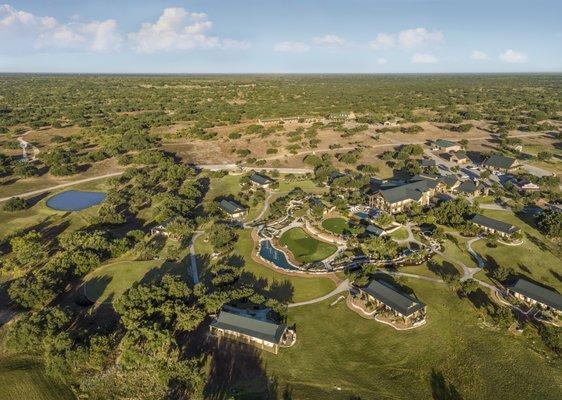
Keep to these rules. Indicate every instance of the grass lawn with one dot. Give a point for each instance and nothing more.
(306, 249)
(225, 186)
(400, 234)
(335, 225)
(537, 258)
(108, 282)
(452, 352)
(23, 378)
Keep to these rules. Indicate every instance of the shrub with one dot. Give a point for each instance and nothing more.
(15, 204)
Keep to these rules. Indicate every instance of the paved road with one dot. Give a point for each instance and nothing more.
(211, 167)
(194, 271)
(342, 287)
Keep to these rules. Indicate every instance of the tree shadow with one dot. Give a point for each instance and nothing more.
(556, 275)
(445, 271)
(440, 389)
(479, 298)
(237, 370)
(537, 242)
(282, 291)
(31, 201)
(91, 290)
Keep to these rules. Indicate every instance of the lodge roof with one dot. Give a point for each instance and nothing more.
(392, 297)
(410, 191)
(499, 161)
(468, 187)
(537, 293)
(494, 224)
(250, 326)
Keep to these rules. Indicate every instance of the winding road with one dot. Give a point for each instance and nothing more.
(342, 287)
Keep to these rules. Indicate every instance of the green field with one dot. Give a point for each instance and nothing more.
(335, 225)
(399, 234)
(537, 258)
(23, 378)
(452, 353)
(106, 283)
(306, 249)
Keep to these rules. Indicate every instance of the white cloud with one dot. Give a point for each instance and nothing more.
(46, 32)
(479, 55)
(381, 61)
(292, 47)
(422, 58)
(329, 40)
(383, 41)
(407, 39)
(512, 56)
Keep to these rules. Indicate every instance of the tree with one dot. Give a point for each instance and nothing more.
(29, 248)
(469, 286)
(222, 237)
(15, 204)
(550, 223)
(544, 155)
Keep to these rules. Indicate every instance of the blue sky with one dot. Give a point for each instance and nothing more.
(217, 36)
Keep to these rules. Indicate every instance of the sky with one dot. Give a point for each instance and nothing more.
(283, 36)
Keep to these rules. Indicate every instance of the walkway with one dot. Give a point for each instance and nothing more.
(194, 272)
(342, 287)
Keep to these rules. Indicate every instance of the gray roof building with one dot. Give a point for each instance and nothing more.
(409, 191)
(250, 326)
(231, 207)
(445, 143)
(498, 161)
(468, 187)
(427, 162)
(259, 179)
(494, 224)
(449, 180)
(390, 296)
(537, 293)
(374, 230)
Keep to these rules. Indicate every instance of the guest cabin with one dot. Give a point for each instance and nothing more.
(232, 208)
(535, 295)
(261, 333)
(491, 225)
(260, 180)
(389, 298)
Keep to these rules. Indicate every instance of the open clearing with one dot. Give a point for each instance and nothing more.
(306, 249)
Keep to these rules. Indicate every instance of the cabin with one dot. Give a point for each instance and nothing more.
(232, 208)
(427, 163)
(400, 198)
(374, 230)
(535, 295)
(458, 157)
(491, 225)
(260, 180)
(261, 333)
(500, 163)
(526, 186)
(389, 298)
(447, 145)
(471, 188)
(451, 182)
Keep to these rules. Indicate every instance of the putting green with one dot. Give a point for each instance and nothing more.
(335, 225)
(306, 249)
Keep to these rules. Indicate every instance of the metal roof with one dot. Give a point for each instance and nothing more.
(538, 293)
(230, 206)
(494, 224)
(260, 179)
(468, 187)
(445, 143)
(499, 161)
(390, 296)
(250, 326)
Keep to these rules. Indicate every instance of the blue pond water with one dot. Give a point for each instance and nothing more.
(277, 257)
(75, 200)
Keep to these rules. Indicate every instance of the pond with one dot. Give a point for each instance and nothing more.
(277, 257)
(75, 200)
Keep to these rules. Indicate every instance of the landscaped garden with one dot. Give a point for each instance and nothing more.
(335, 225)
(305, 248)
